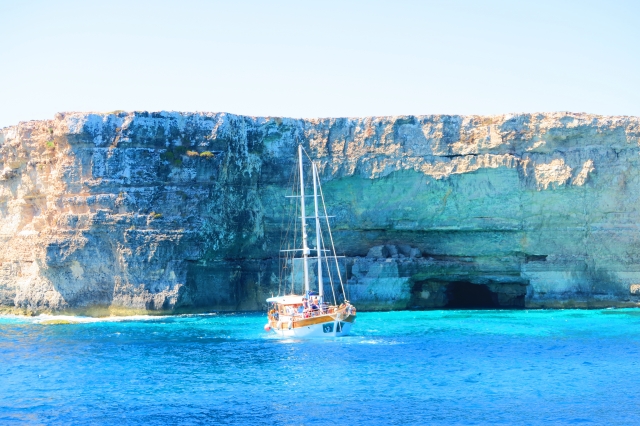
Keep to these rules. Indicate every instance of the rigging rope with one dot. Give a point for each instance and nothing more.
(284, 236)
(326, 216)
(295, 231)
(326, 261)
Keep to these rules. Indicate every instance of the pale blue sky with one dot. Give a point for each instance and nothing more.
(319, 59)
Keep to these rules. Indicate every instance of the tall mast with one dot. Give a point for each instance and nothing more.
(318, 248)
(305, 248)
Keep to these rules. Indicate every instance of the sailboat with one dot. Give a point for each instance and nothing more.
(308, 314)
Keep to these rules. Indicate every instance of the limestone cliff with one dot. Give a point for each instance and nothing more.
(140, 211)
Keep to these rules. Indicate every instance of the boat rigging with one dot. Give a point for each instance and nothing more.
(308, 314)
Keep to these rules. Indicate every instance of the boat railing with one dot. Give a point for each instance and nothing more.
(312, 313)
(297, 316)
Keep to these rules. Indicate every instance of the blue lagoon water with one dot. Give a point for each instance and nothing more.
(435, 367)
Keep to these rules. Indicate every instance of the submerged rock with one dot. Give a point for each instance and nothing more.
(172, 212)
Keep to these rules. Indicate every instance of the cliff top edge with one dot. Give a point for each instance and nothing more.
(491, 119)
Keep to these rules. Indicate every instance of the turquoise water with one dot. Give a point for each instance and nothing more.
(435, 367)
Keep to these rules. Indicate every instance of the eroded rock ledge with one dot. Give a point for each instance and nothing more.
(137, 212)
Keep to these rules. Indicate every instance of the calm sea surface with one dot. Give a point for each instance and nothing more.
(436, 367)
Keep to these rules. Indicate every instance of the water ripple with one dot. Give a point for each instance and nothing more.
(437, 367)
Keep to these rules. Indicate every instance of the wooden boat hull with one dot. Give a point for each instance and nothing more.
(329, 325)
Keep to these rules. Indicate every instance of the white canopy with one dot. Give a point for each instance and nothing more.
(291, 299)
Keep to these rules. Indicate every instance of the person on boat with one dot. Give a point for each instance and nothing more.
(323, 307)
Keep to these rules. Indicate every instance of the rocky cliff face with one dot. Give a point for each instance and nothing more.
(134, 212)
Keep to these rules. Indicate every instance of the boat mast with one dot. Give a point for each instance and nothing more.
(318, 248)
(305, 249)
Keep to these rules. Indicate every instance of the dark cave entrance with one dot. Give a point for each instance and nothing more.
(465, 295)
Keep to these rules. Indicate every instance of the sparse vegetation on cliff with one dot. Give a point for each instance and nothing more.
(174, 155)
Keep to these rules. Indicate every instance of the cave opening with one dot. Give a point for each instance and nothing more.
(466, 295)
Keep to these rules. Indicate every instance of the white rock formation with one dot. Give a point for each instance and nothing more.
(127, 212)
